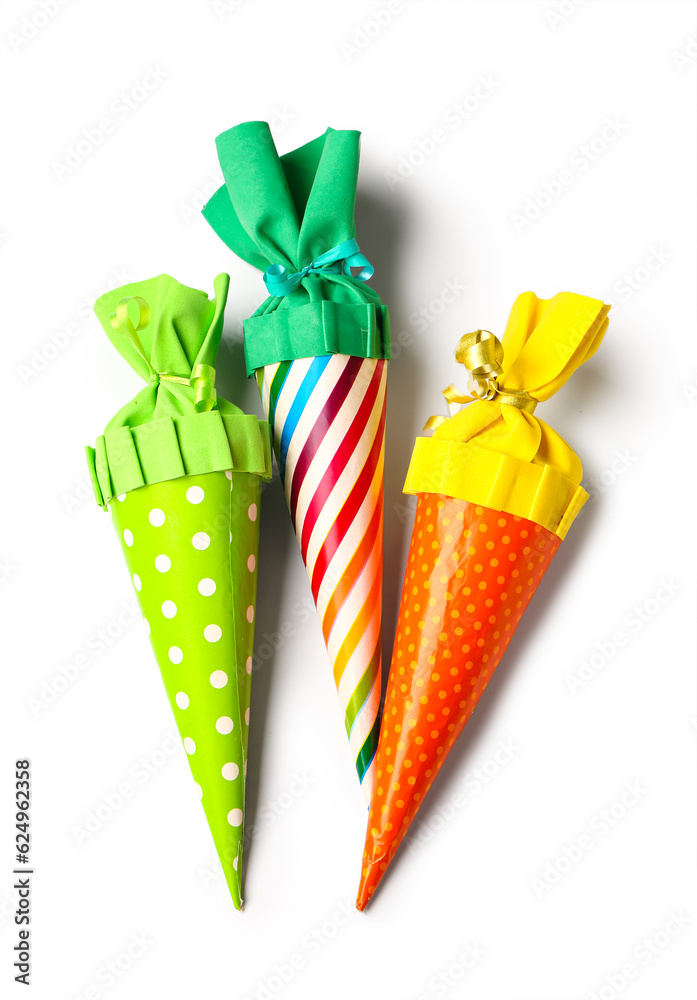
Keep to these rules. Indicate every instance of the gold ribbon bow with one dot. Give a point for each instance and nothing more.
(202, 378)
(482, 355)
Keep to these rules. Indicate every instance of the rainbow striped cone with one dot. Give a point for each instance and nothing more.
(328, 420)
(318, 347)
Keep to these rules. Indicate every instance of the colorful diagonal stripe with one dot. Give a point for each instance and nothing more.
(328, 420)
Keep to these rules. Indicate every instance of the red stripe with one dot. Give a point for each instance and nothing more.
(320, 428)
(340, 460)
(358, 562)
(350, 508)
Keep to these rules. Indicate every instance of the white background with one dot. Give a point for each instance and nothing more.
(557, 74)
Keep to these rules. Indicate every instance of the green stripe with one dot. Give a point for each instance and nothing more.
(367, 751)
(362, 690)
(276, 386)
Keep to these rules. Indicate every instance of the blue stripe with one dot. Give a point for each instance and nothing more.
(314, 373)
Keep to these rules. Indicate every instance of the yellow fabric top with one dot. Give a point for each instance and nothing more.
(500, 455)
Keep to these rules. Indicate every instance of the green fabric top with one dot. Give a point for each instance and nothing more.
(289, 210)
(175, 426)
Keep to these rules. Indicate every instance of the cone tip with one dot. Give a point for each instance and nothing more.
(236, 896)
(233, 876)
(370, 879)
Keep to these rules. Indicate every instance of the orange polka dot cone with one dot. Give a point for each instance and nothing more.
(497, 490)
(180, 472)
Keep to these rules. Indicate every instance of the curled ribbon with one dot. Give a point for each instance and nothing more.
(482, 355)
(339, 260)
(202, 378)
(203, 384)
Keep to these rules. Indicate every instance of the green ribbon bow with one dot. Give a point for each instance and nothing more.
(176, 425)
(202, 378)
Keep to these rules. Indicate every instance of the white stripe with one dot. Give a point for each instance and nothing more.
(362, 655)
(353, 536)
(311, 413)
(269, 373)
(344, 484)
(352, 606)
(332, 441)
(286, 396)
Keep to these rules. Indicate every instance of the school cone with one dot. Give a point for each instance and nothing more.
(333, 474)
(185, 555)
(497, 490)
(319, 347)
(191, 540)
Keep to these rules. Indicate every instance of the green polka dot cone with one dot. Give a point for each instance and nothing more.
(191, 547)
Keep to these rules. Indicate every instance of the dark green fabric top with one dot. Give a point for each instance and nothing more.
(289, 210)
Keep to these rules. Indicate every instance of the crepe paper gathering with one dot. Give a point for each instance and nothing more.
(180, 472)
(497, 490)
(319, 347)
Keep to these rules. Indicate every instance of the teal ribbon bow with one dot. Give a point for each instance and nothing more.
(339, 260)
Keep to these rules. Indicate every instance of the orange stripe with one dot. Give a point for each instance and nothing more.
(370, 609)
(354, 568)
